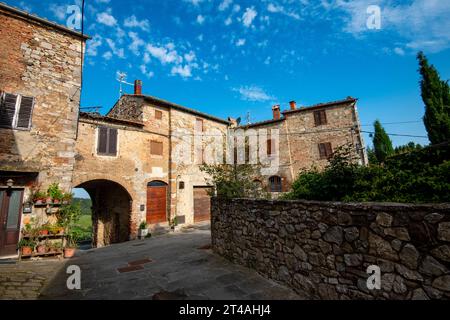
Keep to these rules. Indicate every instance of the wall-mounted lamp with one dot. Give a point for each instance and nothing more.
(10, 183)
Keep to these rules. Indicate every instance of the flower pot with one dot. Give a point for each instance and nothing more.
(61, 231)
(41, 249)
(39, 202)
(43, 232)
(142, 233)
(69, 252)
(26, 251)
(56, 201)
(48, 200)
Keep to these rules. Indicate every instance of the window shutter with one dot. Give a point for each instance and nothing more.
(323, 117)
(322, 151)
(156, 148)
(329, 150)
(102, 140)
(25, 112)
(7, 110)
(112, 148)
(316, 118)
(158, 115)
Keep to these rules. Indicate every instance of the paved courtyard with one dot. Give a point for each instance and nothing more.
(172, 266)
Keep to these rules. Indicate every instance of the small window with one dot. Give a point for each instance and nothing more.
(181, 185)
(15, 111)
(156, 148)
(320, 118)
(158, 115)
(107, 141)
(270, 147)
(275, 184)
(199, 125)
(325, 150)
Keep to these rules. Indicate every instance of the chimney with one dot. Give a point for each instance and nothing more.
(138, 87)
(276, 112)
(293, 105)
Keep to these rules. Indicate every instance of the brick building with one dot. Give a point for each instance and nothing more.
(141, 161)
(40, 81)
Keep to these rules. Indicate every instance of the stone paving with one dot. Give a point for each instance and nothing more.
(25, 280)
(171, 266)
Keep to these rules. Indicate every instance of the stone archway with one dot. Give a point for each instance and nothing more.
(111, 211)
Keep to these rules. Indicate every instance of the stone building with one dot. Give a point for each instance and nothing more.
(141, 161)
(40, 81)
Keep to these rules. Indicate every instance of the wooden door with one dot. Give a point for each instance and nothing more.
(202, 204)
(156, 204)
(10, 214)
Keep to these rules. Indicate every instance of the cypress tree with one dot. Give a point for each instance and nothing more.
(436, 96)
(382, 144)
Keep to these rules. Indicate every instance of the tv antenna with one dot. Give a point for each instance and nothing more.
(248, 117)
(121, 77)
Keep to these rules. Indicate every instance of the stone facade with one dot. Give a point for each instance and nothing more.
(325, 248)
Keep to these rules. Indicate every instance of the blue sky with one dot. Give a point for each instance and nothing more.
(230, 57)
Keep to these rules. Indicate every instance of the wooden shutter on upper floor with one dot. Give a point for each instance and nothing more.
(112, 142)
(325, 150)
(320, 118)
(7, 109)
(269, 147)
(102, 146)
(156, 148)
(25, 112)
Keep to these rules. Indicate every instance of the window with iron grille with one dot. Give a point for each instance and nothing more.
(325, 150)
(107, 141)
(320, 118)
(275, 184)
(16, 111)
(156, 148)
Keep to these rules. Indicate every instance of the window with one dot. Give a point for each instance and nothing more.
(325, 150)
(15, 111)
(156, 148)
(320, 118)
(181, 185)
(199, 125)
(275, 184)
(270, 145)
(158, 114)
(107, 141)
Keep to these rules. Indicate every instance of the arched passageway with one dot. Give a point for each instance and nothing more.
(111, 211)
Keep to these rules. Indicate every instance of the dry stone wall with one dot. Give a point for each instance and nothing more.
(325, 248)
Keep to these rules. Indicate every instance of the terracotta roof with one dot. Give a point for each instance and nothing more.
(261, 123)
(321, 105)
(46, 22)
(98, 117)
(181, 108)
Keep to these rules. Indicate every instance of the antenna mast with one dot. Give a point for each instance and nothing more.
(121, 77)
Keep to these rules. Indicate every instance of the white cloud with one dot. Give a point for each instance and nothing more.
(106, 19)
(163, 54)
(189, 57)
(236, 8)
(274, 8)
(399, 51)
(200, 19)
(133, 22)
(184, 72)
(240, 42)
(107, 55)
(194, 2)
(146, 72)
(253, 93)
(102, 1)
(248, 17)
(116, 51)
(58, 11)
(136, 43)
(225, 4)
(93, 45)
(228, 21)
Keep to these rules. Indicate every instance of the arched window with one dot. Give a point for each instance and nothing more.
(275, 184)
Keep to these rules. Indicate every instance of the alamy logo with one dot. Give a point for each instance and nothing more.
(74, 280)
(374, 20)
(74, 19)
(374, 280)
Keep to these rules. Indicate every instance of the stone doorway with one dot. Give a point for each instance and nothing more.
(111, 212)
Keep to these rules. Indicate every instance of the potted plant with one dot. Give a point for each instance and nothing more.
(71, 245)
(54, 193)
(67, 198)
(143, 230)
(173, 223)
(43, 231)
(27, 246)
(41, 248)
(39, 198)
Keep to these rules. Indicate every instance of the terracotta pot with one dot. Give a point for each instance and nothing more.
(41, 249)
(26, 251)
(49, 200)
(39, 202)
(43, 232)
(55, 201)
(61, 231)
(69, 252)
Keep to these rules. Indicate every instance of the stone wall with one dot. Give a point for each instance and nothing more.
(324, 248)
